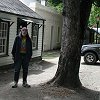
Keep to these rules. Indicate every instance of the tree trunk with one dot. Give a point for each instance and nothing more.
(75, 17)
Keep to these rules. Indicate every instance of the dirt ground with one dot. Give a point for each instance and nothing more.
(41, 72)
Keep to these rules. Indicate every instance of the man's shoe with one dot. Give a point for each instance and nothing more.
(26, 85)
(15, 85)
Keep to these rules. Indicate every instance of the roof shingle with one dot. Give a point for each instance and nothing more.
(17, 7)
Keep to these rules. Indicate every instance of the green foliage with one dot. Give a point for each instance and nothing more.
(97, 3)
(95, 11)
(56, 4)
(59, 7)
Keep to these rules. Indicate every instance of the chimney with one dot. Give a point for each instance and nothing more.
(43, 2)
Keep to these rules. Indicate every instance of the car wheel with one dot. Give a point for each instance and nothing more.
(90, 58)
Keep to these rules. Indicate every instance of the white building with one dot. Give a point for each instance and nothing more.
(53, 23)
(14, 14)
(96, 29)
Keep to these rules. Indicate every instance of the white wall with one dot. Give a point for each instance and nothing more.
(12, 34)
(52, 19)
(28, 2)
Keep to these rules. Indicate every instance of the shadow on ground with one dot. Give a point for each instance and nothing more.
(96, 64)
(6, 76)
(48, 93)
(88, 94)
(39, 67)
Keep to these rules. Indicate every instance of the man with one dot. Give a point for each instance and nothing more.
(22, 52)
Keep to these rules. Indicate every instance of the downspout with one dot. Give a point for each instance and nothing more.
(42, 39)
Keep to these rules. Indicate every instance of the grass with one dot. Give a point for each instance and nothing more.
(50, 54)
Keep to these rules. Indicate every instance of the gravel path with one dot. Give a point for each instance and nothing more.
(41, 72)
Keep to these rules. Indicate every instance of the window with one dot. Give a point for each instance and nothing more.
(58, 37)
(3, 37)
(34, 35)
(51, 43)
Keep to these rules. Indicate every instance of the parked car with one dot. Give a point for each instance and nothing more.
(91, 53)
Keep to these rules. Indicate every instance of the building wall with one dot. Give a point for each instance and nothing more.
(53, 19)
(12, 34)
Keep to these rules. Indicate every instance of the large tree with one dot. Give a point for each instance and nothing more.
(75, 19)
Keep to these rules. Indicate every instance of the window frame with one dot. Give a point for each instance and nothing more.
(58, 35)
(5, 53)
(33, 25)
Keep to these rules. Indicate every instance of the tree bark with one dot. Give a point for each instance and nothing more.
(85, 8)
(74, 24)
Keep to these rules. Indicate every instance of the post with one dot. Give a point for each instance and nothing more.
(97, 32)
(42, 37)
(97, 18)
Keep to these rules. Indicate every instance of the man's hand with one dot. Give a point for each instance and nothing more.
(12, 58)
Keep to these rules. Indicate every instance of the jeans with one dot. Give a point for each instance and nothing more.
(24, 63)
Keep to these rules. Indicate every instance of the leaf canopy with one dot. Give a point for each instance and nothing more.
(97, 3)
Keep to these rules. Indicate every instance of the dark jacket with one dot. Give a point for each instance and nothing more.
(17, 46)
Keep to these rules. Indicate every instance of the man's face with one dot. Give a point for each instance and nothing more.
(24, 31)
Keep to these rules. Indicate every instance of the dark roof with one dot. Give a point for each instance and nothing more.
(94, 30)
(18, 8)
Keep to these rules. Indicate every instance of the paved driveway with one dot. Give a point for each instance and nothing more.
(90, 75)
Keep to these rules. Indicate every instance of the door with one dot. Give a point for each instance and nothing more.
(51, 42)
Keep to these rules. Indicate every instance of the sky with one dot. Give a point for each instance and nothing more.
(27, 2)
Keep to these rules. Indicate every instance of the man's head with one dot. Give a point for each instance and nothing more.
(24, 31)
